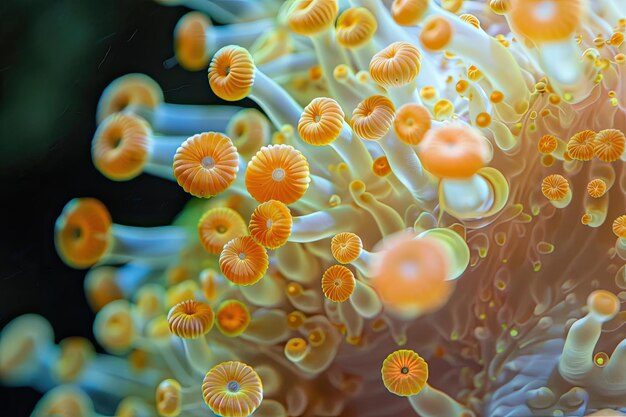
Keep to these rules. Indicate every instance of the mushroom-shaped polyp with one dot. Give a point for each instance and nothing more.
(454, 151)
(321, 121)
(309, 17)
(545, 20)
(82, 232)
(404, 373)
(278, 172)
(190, 319)
(410, 275)
(396, 65)
(129, 91)
(218, 226)
(373, 117)
(232, 389)
(338, 283)
(190, 42)
(355, 27)
(206, 164)
(346, 247)
(270, 224)
(243, 261)
(411, 123)
(232, 318)
(231, 73)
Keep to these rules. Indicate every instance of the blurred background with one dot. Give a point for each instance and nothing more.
(56, 58)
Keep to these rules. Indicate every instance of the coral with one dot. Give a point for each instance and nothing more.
(441, 151)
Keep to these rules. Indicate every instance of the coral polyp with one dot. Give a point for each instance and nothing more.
(424, 214)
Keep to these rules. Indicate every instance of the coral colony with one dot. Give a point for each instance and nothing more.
(427, 216)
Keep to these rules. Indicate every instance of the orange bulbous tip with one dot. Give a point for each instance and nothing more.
(310, 17)
(408, 12)
(411, 123)
(545, 20)
(581, 146)
(338, 283)
(436, 34)
(555, 187)
(101, 287)
(609, 145)
(270, 224)
(121, 145)
(603, 303)
(231, 73)
(500, 6)
(129, 91)
(75, 354)
(373, 117)
(471, 19)
(453, 151)
(206, 164)
(404, 373)
(82, 232)
(381, 167)
(232, 389)
(596, 188)
(232, 318)
(346, 247)
(355, 27)
(321, 121)
(410, 275)
(218, 226)
(278, 172)
(547, 144)
(190, 319)
(114, 327)
(249, 129)
(190, 43)
(619, 226)
(169, 398)
(296, 348)
(396, 65)
(243, 261)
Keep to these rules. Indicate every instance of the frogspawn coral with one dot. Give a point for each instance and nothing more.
(429, 204)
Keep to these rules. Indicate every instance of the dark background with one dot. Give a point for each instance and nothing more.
(56, 57)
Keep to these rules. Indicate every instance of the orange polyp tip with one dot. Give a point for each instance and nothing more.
(231, 73)
(410, 275)
(232, 389)
(545, 20)
(373, 117)
(270, 224)
(471, 19)
(581, 146)
(169, 398)
(321, 121)
(249, 129)
(346, 247)
(75, 353)
(296, 348)
(190, 41)
(295, 319)
(190, 319)
(232, 318)
(355, 27)
(396, 65)
(408, 12)
(443, 109)
(547, 144)
(404, 373)
(101, 287)
(381, 167)
(554, 187)
(428, 93)
(81, 233)
(603, 303)
(120, 146)
(453, 151)
(500, 6)
(243, 261)
(436, 34)
(619, 226)
(483, 120)
(310, 17)
(218, 226)
(206, 164)
(338, 283)
(496, 97)
(585, 219)
(129, 90)
(278, 172)
(596, 188)
(609, 145)
(411, 123)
